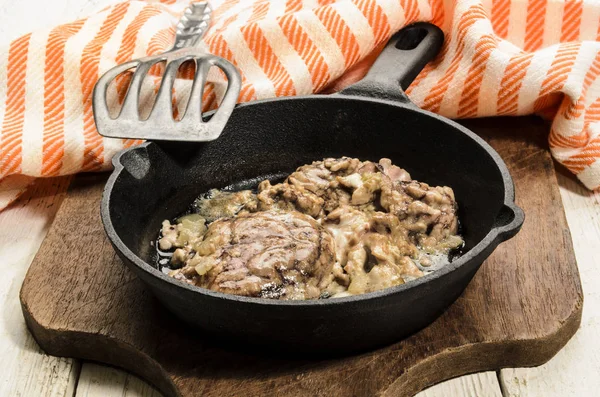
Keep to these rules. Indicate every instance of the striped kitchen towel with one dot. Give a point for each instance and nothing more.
(501, 57)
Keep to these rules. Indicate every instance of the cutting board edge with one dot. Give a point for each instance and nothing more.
(558, 331)
(84, 346)
(498, 354)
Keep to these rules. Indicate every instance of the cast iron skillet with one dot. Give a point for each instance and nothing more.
(369, 120)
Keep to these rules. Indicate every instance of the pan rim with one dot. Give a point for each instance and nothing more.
(490, 240)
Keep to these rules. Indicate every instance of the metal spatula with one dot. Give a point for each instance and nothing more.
(160, 124)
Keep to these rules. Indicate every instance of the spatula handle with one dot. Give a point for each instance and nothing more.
(192, 25)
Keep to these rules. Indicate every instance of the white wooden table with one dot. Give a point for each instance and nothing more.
(27, 371)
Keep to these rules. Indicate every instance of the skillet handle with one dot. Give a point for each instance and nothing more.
(403, 57)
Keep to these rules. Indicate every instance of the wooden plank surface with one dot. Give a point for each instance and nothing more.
(569, 373)
(483, 384)
(522, 306)
(103, 381)
(574, 371)
(17, 18)
(24, 371)
(27, 371)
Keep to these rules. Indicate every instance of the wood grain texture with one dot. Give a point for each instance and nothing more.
(574, 370)
(20, 17)
(520, 309)
(102, 381)
(484, 384)
(27, 371)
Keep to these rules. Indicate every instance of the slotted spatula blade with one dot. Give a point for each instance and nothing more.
(160, 124)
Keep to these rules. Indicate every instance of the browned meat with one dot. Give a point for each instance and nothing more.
(372, 251)
(428, 213)
(312, 189)
(333, 228)
(220, 204)
(187, 229)
(287, 197)
(395, 173)
(279, 255)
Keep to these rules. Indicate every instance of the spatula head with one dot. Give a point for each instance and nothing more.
(160, 124)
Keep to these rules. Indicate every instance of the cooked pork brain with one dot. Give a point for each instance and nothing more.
(428, 214)
(271, 254)
(333, 228)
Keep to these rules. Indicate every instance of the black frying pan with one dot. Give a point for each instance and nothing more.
(369, 120)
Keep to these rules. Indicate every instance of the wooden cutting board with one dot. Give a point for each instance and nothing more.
(523, 305)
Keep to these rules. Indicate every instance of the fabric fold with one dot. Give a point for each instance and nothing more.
(500, 57)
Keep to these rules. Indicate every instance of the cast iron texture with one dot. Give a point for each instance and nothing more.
(266, 138)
